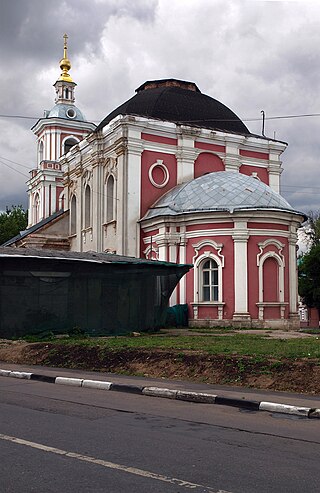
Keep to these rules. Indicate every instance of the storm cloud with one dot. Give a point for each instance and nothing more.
(250, 55)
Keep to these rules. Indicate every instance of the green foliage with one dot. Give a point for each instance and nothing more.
(314, 225)
(77, 333)
(309, 277)
(12, 221)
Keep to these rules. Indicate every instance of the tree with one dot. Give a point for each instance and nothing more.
(309, 266)
(309, 277)
(12, 221)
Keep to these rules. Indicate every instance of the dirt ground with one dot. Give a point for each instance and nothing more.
(301, 376)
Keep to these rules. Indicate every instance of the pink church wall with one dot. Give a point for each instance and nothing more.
(150, 193)
(159, 139)
(209, 147)
(282, 227)
(257, 155)
(262, 173)
(207, 163)
(210, 226)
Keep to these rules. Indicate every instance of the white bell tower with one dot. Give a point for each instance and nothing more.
(61, 128)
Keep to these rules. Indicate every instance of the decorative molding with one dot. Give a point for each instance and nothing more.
(266, 243)
(151, 249)
(197, 260)
(159, 164)
(217, 246)
(279, 257)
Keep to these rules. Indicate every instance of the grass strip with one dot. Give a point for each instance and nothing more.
(235, 344)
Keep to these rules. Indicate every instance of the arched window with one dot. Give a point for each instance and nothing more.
(68, 144)
(87, 207)
(40, 151)
(110, 199)
(73, 215)
(209, 280)
(67, 93)
(36, 208)
(61, 201)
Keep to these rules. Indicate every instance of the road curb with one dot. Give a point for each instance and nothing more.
(184, 395)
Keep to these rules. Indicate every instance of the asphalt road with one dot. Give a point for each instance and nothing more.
(67, 439)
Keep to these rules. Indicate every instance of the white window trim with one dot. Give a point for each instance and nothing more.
(207, 255)
(114, 203)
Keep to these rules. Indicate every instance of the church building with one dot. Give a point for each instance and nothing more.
(173, 175)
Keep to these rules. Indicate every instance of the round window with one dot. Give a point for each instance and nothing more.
(158, 174)
(71, 113)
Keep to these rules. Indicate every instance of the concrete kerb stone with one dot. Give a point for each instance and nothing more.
(160, 392)
(5, 373)
(75, 382)
(284, 409)
(96, 384)
(197, 397)
(20, 374)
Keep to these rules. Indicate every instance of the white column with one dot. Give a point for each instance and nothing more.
(182, 260)
(293, 273)
(95, 201)
(46, 154)
(133, 196)
(274, 166)
(53, 147)
(121, 198)
(173, 258)
(186, 156)
(232, 160)
(30, 209)
(240, 238)
(162, 242)
(58, 144)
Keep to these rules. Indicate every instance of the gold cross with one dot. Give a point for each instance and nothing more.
(65, 37)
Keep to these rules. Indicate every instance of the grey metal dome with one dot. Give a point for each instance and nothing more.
(218, 191)
(67, 111)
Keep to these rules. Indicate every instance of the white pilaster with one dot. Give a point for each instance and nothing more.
(240, 239)
(182, 260)
(232, 160)
(186, 156)
(293, 273)
(134, 151)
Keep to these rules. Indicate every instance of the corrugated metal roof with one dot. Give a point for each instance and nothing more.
(99, 258)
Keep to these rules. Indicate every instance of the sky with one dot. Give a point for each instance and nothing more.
(251, 55)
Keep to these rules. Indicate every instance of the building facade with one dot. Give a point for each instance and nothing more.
(173, 175)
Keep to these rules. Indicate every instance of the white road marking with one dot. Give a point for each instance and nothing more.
(110, 465)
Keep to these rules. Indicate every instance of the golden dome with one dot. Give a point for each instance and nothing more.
(65, 63)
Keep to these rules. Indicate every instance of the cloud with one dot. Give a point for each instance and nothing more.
(251, 56)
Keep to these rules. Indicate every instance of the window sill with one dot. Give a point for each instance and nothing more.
(208, 303)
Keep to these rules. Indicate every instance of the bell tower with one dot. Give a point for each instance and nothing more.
(61, 128)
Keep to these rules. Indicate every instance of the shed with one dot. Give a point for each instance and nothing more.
(101, 293)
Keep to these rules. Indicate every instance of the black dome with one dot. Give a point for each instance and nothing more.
(180, 102)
